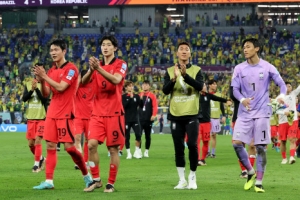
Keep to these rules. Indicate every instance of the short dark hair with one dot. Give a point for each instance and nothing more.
(183, 43)
(212, 81)
(288, 83)
(60, 43)
(255, 43)
(146, 82)
(127, 83)
(111, 38)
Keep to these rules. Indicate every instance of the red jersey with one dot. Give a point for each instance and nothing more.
(84, 101)
(108, 97)
(62, 103)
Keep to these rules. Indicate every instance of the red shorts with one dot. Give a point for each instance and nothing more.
(81, 126)
(35, 128)
(110, 128)
(298, 134)
(286, 131)
(59, 130)
(204, 131)
(274, 131)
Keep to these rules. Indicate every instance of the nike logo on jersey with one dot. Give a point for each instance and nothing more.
(191, 122)
(243, 76)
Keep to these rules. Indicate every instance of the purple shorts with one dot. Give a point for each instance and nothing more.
(215, 125)
(257, 129)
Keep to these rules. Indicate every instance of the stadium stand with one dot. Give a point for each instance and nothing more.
(19, 50)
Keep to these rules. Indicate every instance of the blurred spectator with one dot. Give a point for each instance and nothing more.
(149, 21)
(107, 22)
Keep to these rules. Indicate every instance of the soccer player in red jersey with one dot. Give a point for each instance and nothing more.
(35, 113)
(107, 120)
(62, 80)
(83, 112)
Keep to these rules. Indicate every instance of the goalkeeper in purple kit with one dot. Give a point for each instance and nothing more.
(250, 81)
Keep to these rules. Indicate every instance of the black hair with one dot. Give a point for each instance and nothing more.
(146, 82)
(255, 43)
(183, 43)
(60, 43)
(212, 81)
(288, 83)
(127, 83)
(111, 38)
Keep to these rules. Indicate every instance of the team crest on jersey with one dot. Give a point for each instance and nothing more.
(134, 99)
(261, 75)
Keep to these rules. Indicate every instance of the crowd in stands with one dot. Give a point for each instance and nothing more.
(18, 46)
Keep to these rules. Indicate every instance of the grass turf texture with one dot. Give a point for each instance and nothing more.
(147, 178)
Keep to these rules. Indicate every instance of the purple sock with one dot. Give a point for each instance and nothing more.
(243, 156)
(261, 161)
(213, 150)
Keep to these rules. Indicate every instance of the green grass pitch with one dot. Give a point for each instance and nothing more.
(144, 179)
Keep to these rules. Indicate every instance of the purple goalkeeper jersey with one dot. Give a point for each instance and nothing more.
(253, 81)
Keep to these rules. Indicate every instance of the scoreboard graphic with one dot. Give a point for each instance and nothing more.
(23, 3)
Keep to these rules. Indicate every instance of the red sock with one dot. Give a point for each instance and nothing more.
(113, 171)
(292, 152)
(283, 155)
(50, 163)
(85, 152)
(32, 149)
(185, 138)
(204, 149)
(95, 171)
(38, 152)
(252, 161)
(121, 147)
(78, 159)
(199, 146)
(242, 166)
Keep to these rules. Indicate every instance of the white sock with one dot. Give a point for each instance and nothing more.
(137, 148)
(181, 173)
(192, 173)
(91, 164)
(49, 181)
(252, 156)
(146, 150)
(251, 171)
(257, 182)
(128, 151)
(36, 163)
(41, 158)
(96, 179)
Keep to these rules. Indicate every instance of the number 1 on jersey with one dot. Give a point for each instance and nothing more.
(253, 85)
